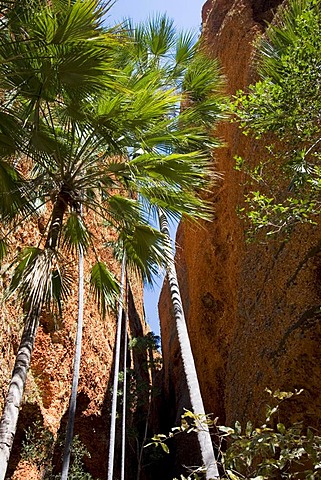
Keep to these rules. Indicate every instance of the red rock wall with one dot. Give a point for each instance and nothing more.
(253, 310)
(48, 387)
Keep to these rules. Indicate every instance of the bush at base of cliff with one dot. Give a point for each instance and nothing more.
(37, 450)
(272, 451)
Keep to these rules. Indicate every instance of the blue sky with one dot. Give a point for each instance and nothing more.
(186, 15)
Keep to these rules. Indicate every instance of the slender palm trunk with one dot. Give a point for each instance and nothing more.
(116, 374)
(75, 380)
(203, 434)
(123, 438)
(9, 420)
(16, 388)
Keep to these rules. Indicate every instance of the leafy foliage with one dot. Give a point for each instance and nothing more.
(78, 97)
(104, 287)
(286, 102)
(38, 447)
(271, 451)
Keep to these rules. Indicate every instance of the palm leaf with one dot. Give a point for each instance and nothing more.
(61, 281)
(186, 46)
(3, 249)
(80, 22)
(12, 198)
(160, 35)
(124, 211)
(182, 170)
(10, 133)
(203, 78)
(147, 250)
(39, 278)
(75, 233)
(26, 275)
(104, 287)
(175, 202)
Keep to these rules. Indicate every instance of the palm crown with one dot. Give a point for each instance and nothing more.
(77, 114)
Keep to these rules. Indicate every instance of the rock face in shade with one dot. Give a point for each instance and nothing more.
(253, 310)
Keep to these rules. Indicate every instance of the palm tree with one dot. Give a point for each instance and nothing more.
(116, 372)
(123, 443)
(72, 108)
(188, 70)
(76, 368)
(31, 81)
(203, 434)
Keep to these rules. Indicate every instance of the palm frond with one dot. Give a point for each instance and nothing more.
(175, 202)
(190, 170)
(104, 287)
(147, 250)
(3, 249)
(12, 198)
(58, 52)
(60, 288)
(81, 21)
(10, 133)
(75, 233)
(123, 210)
(160, 35)
(186, 46)
(40, 278)
(203, 78)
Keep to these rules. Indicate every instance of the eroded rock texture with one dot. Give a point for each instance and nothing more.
(48, 389)
(253, 310)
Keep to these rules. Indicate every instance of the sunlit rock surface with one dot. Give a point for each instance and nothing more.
(253, 310)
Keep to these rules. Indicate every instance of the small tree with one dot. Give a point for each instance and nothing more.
(285, 103)
(272, 450)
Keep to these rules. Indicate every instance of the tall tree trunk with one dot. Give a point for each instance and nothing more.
(9, 420)
(116, 374)
(10, 413)
(75, 380)
(123, 438)
(57, 217)
(203, 434)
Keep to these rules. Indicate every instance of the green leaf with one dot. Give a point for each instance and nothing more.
(75, 233)
(24, 259)
(124, 210)
(238, 427)
(248, 429)
(104, 287)
(3, 249)
(160, 35)
(12, 199)
(281, 428)
(164, 447)
(147, 250)
(60, 288)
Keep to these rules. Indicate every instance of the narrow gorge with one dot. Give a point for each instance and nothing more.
(252, 309)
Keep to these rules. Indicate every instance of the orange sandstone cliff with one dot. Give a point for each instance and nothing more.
(47, 394)
(253, 310)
